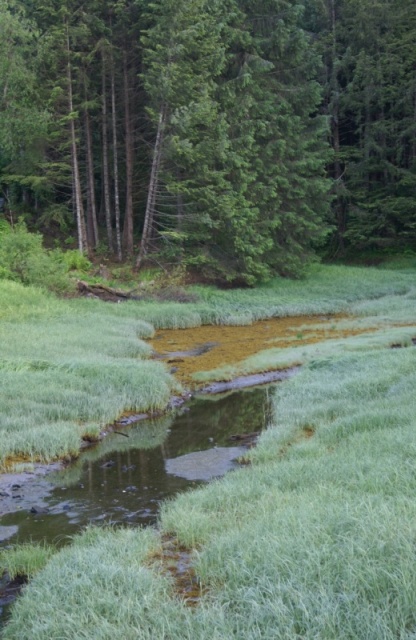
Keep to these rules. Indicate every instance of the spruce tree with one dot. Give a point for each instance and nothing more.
(237, 186)
(23, 117)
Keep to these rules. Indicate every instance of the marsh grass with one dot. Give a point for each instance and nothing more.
(384, 322)
(325, 290)
(59, 404)
(68, 369)
(25, 560)
(99, 568)
(315, 539)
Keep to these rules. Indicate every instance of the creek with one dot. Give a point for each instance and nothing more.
(123, 479)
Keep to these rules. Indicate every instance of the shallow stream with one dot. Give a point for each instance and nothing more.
(123, 479)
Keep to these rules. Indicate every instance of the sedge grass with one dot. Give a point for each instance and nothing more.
(314, 540)
(71, 363)
(25, 559)
(324, 290)
(67, 370)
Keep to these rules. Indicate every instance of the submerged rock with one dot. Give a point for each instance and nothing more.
(205, 465)
(8, 532)
(36, 509)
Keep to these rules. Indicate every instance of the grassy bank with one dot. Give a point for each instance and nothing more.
(69, 367)
(315, 539)
(67, 370)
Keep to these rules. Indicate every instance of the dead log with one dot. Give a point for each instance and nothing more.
(108, 294)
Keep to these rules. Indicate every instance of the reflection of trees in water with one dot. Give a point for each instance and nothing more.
(213, 419)
(123, 479)
(147, 434)
(210, 420)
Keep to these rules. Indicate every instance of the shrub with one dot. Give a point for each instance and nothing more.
(23, 258)
(74, 260)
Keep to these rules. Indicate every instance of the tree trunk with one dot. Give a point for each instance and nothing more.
(79, 209)
(335, 91)
(128, 217)
(115, 162)
(106, 178)
(92, 225)
(151, 195)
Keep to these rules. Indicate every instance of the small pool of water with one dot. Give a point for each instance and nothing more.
(123, 479)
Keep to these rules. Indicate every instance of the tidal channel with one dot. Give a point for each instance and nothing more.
(123, 479)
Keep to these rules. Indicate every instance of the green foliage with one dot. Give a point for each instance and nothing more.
(242, 193)
(55, 214)
(74, 260)
(25, 560)
(23, 258)
(370, 89)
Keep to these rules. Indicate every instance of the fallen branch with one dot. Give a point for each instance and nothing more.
(105, 293)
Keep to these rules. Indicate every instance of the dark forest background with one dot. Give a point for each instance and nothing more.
(232, 137)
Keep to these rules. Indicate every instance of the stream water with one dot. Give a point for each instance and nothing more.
(124, 478)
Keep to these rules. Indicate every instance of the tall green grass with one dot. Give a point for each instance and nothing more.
(25, 559)
(325, 289)
(315, 539)
(71, 366)
(68, 368)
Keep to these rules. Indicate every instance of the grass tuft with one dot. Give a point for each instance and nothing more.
(68, 368)
(25, 560)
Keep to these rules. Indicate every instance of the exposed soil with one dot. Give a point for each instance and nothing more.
(176, 561)
(20, 491)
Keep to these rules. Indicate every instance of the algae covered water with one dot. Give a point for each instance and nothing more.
(124, 478)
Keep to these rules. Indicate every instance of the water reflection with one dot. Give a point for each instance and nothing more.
(123, 480)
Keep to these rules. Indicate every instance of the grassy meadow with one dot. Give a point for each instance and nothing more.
(69, 367)
(67, 370)
(314, 539)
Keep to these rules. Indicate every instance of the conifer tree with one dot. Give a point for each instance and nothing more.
(23, 118)
(237, 143)
(369, 88)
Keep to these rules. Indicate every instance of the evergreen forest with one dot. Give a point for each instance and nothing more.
(235, 138)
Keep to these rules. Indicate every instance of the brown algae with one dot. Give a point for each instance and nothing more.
(176, 561)
(208, 347)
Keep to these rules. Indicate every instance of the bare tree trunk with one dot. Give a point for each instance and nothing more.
(106, 179)
(92, 225)
(335, 90)
(128, 218)
(115, 162)
(79, 209)
(414, 120)
(151, 195)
